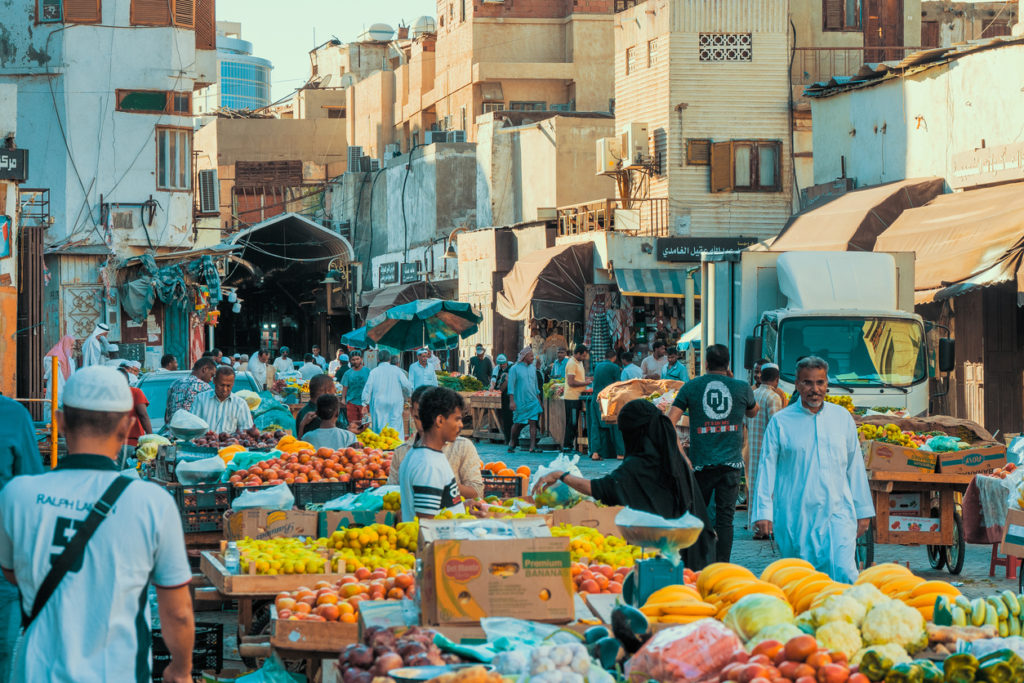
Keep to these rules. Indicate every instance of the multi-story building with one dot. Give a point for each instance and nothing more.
(243, 81)
(945, 23)
(105, 88)
(13, 170)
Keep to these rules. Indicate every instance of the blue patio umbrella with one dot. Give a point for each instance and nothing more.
(356, 338)
(436, 323)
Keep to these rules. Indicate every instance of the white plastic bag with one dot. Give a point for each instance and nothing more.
(205, 471)
(559, 493)
(182, 419)
(278, 497)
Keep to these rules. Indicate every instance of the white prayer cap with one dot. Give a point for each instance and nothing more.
(99, 389)
(768, 366)
(422, 351)
(134, 364)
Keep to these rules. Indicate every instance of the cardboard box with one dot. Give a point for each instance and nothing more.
(973, 460)
(905, 504)
(264, 524)
(525, 574)
(928, 524)
(589, 514)
(1013, 534)
(332, 520)
(886, 457)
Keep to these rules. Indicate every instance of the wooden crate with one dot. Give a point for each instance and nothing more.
(255, 585)
(311, 636)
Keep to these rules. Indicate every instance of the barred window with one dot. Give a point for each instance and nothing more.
(726, 47)
(654, 52)
(634, 58)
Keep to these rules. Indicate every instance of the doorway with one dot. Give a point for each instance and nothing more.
(883, 30)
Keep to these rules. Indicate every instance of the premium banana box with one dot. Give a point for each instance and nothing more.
(1013, 533)
(493, 568)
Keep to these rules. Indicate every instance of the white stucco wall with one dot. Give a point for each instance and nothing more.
(913, 126)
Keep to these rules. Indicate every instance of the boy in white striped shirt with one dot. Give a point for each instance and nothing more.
(221, 409)
(426, 478)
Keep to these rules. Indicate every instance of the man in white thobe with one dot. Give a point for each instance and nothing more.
(812, 489)
(385, 392)
(422, 372)
(92, 347)
(258, 368)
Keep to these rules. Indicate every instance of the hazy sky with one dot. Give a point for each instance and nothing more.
(283, 31)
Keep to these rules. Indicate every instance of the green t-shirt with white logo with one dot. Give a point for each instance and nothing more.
(717, 405)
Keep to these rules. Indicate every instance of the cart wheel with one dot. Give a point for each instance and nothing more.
(936, 553)
(956, 553)
(865, 551)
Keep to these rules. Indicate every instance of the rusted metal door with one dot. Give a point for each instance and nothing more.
(30, 316)
(883, 28)
(1004, 360)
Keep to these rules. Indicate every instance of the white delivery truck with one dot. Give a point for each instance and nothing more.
(854, 309)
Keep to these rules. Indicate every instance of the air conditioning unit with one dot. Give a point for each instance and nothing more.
(374, 165)
(634, 144)
(354, 152)
(608, 155)
(209, 191)
(392, 150)
(433, 136)
(456, 136)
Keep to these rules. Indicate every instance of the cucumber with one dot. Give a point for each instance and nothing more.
(963, 603)
(1011, 602)
(1014, 624)
(978, 611)
(960, 617)
(1000, 606)
(991, 615)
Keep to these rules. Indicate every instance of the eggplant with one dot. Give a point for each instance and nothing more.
(606, 651)
(630, 627)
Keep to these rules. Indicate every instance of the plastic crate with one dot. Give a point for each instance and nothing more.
(202, 506)
(504, 487)
(207, 653)
(318, 492)
(360, 485)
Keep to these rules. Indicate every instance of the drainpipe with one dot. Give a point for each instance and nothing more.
(689, 290)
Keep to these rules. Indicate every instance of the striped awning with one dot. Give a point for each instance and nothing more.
(668, 282)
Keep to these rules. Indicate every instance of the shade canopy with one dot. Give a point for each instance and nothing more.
(356, 338)
(436, 323)
(288, 246)
(663, 282)
(854, 221)
(380, 300)
(548, 284)
(963, 241)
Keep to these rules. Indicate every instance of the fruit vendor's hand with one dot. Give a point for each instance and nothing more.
(763, 527)
(862, 526)
(545, 482)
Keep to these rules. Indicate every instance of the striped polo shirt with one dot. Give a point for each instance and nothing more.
(228, 415)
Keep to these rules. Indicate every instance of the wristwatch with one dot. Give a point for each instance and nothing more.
(562, 477)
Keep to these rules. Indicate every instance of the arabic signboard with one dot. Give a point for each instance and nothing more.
(987, 165)
(388, 273)
(14, 164)
(410, 272)
(690, 248)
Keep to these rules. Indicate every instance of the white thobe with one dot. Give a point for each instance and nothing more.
(283, 365)
(813, 487)
(48, 380)
(420, 375)
(92, 351)
(259, 373)
(385, 392)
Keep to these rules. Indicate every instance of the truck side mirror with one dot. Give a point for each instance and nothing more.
(751, 352)
(947, 354)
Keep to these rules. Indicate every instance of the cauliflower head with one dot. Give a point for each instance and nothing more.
(894, 622)
(890, 650)
(841, 636)
(866, 594)
(840, 608)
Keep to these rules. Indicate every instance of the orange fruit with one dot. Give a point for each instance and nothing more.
(589, 586)
(302, 608)
(523, 470)
(346, 608)
(324, 452)
(349, 618)
(327, 599)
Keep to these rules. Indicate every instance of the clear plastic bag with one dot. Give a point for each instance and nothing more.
(278, 497)
(690, 652)
(205, 471)
(559, 493)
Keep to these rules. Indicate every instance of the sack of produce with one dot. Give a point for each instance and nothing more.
(205, 471)
(559, 493)
(689, 652)
(278, 497)
(614, 396)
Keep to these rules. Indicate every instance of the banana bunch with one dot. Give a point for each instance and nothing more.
(802, 586)
(1004, 611)
(899, 583)
(677, 604)
(722, 584)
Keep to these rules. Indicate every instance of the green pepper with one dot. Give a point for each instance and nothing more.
(932, 673)
(875, 664)
(1001, 666)
(959, 668)
(905, 673)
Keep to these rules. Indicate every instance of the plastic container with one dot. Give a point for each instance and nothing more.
(504, 487)
(360, 485)
(207, 653)
(232, 558)
(202, 506)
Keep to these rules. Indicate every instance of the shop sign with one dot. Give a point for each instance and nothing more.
(13, 164)
(997, 164)
(690, 248)
(388, 273)
(410, 272)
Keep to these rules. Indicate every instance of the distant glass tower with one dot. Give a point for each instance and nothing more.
(244, 79)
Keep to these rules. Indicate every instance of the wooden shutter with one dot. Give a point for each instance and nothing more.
(721, 167)
(206, 26)
(151, 12)
(185, 13)
(82, 11)
(698, 152)
(832, 13)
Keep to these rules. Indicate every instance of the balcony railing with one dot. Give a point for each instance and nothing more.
(814, 64)
(641, 217)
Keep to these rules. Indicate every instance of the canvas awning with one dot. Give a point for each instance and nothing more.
(962, 241)
(380, 300)
(666, 282)
(853, 221)
(289, 246)
(548, 284)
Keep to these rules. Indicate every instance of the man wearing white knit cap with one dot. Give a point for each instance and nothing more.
(83, 543)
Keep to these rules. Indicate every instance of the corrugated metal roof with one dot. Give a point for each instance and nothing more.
(873, 74)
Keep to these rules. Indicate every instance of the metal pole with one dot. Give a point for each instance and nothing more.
(54, 382)
(688, 289)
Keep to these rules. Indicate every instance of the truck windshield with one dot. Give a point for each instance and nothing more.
(859, 351)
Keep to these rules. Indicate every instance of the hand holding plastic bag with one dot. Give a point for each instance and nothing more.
(558, 493)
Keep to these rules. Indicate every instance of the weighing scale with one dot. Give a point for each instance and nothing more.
(654, 573)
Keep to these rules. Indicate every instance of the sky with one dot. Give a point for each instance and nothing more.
(283, 32)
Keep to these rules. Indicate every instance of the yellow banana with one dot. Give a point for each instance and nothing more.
(784, 563)
(936, 587)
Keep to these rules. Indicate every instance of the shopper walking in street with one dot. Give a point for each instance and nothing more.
(717, 404)
(421, 373)
(384, 394)
(319, 359)
(812, 488)
(480, 366)
(770, 400)
(221, 409)
(576, 381)
(655, 364)
(524, 399)
(306, 419)
(676, 368)
(605, 439)
(182, 394)
(283, 363)
(630, 370)
(499, 383)
(87, 614)
(352, 383)
(92, 347)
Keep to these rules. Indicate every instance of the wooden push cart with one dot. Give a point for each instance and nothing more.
(935, 498)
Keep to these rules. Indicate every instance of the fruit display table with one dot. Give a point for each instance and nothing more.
(484, 415)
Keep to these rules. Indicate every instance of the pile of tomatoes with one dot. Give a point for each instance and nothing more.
(325, 464)
(800, 660)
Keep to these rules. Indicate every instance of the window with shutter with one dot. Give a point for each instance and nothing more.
(151, 12)
(48, 11)
(698, 152)
(82, 11)
(206, 27)
(721, 167)
(841, 15)
(185, 13)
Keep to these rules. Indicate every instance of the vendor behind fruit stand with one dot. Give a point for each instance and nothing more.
(328, 434)
(654, 477)
(221, 409)
(426, 480)
(307, 419)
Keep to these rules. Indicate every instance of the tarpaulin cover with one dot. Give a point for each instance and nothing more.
(548, 284)
(167, 283)
(962, 241)
(853, 221)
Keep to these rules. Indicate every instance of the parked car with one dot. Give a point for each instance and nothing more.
(156, 384)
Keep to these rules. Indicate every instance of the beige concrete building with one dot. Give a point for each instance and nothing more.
(945, 23)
